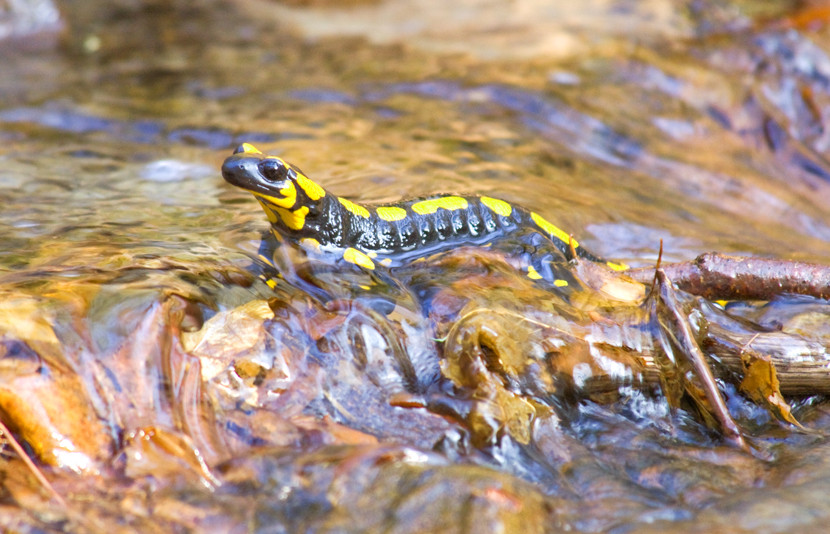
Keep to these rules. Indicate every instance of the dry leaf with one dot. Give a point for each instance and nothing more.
(760, 383)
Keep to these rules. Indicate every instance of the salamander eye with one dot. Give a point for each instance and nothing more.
(273, 170)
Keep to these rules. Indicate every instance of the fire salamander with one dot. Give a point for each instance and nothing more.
(390, 234)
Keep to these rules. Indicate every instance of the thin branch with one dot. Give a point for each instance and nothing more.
(717, 276)
(4, 430)
(698, 360)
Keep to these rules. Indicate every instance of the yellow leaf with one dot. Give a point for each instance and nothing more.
(760, 383)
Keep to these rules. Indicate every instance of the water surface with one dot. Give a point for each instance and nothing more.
(702, 127)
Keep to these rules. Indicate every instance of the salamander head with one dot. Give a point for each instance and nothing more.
(269, 178)
(285, 193)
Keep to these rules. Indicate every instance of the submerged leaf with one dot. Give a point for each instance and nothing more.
(228, 334)
(488, 354)
(43, 399)
(52, 413)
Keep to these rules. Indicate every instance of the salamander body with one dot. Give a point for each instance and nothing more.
(391, 234)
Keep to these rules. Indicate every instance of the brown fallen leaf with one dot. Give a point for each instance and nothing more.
(42, 399)
(52, 413)
(485, 351)
(760, 383)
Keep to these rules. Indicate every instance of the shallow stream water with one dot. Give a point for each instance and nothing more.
(698, 124)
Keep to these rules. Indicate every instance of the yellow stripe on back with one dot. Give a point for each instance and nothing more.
(391, 213)
(425, 207)
(499, 206)
(551, 229)
(360, 211)
(352, 255)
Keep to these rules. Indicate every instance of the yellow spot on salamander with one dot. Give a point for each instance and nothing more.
(270, 282)
(391, 213)
(295, 220)
(352, 255)
(311, 188)
(288, 199)
(425, 207)
(499, 206)
(309, 243)
(248, 148)
(560, 283)
(617, 266)
(272, 217)
(532, 273)
(551, 229)
(273, 206)
(386, 261)
(360, 211)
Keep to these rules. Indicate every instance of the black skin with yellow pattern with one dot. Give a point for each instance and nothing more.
(391, 234)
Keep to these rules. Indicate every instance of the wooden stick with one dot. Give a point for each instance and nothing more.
(4, 430)
(717, 276)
